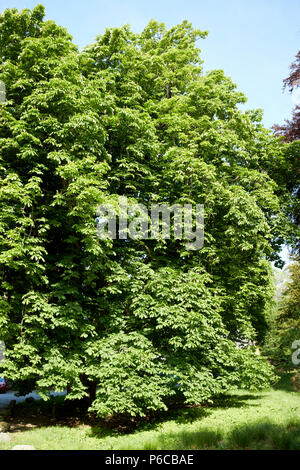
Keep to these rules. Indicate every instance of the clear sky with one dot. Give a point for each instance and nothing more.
(253, 41)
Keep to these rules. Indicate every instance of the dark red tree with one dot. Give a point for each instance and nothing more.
(291, 129)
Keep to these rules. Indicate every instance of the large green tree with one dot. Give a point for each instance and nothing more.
(132, 323)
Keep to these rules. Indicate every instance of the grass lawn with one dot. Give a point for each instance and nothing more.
(240, 420)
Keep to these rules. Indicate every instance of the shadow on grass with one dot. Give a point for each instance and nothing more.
(235, 401)
(54, 412)
(262, 435)
(125, 425)
(284, 383)
(60, 412)
(178, 414)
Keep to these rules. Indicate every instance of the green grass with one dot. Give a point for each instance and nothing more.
(241, 420)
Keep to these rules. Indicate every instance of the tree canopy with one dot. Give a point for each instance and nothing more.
(132, 323)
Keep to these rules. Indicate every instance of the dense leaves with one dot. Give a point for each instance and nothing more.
(285, 325)
(131, 323)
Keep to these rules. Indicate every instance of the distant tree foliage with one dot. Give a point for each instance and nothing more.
(290, 305)
(133, 324)
(290, 133)
(285, 326)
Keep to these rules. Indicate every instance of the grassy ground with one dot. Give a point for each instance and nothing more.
(241, 420)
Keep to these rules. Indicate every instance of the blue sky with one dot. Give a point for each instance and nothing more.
(253, 41)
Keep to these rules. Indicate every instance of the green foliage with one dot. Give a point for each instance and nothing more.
(285, 325)
(144, 322)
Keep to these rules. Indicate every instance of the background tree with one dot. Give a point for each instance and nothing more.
(289, 172)
(143, 321)
(285, 324)
(291, 129)
(285, 321)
